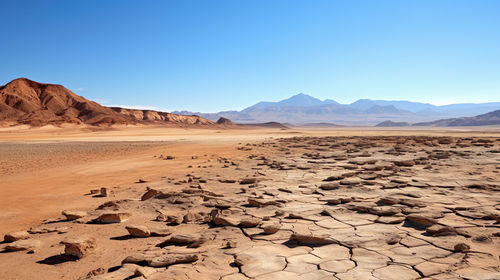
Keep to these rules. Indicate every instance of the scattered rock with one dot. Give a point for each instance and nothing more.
(439, 230)
(174, 219)
(189, 240)
(23, 245)
(384, 211)
(388, 200)
(250, 222)
(329, 186)
(104, 192)
(79, 247)
(271, 228)
(461, 247)
(405, 163)
(95, 272)
(150, 194)
(73, 214)
(138, 231)
(421, 220)
(116, 217)
(170, 259)
(295, 226)
(334, 178)
(17, 235)
(248, 181)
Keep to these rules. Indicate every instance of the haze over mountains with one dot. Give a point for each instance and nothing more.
(305, 109)
(491, 118)
(23, 101)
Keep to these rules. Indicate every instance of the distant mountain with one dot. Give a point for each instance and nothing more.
(468, 109)
(303, 109)
(388, 109)
(364, 104)
(392, 124)
(491, 118)
(23, 101)
(299, 100)
(317, 125)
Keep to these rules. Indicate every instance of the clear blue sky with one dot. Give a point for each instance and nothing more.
(218, 55)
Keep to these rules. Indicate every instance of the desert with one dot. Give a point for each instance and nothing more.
(250, 203)
(250, 140)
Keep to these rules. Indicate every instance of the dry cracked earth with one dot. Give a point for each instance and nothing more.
(295, 208)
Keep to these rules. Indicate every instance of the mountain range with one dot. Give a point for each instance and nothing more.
(305, 109)
(491, 118)
(23, 101)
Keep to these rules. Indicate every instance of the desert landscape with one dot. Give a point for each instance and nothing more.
(97, 192)
(170, 203)
(250, 140)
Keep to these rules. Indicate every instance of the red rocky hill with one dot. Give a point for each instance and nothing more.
(23, 101)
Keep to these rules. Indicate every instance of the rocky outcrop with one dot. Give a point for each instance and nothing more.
(150, 116)
(23, 101)
(225, 121)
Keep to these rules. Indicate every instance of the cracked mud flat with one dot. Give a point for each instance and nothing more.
(295, 208)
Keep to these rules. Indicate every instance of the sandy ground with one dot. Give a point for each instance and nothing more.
(50, 168)
(46, 170)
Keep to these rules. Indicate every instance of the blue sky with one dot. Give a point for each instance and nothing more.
(219, 55)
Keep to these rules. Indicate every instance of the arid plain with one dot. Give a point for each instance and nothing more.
(171, 203)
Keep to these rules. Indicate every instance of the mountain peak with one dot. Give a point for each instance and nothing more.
(20, 82)
(298, 100)
(301, 97)
(26, 81)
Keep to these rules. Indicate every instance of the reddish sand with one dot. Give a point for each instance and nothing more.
(47, 170)
(48, 181)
